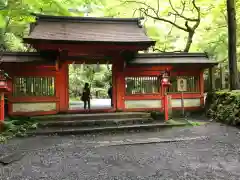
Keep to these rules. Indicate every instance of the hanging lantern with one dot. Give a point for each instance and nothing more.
(3, 79)
(3, 82)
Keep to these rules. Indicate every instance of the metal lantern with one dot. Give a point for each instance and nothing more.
(3, 79)
(165, 78)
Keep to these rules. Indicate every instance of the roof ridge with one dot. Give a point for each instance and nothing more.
(43, 17)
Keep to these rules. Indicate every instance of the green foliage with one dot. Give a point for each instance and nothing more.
(15, 17)
(157, 115)
(195, 123)
(210, 36)
(224, 107)
(13, 127)
(99, 79)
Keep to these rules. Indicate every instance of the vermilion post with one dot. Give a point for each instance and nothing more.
(165, 104)
(2, 107)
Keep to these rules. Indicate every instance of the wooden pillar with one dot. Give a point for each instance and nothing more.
(61, 88)
(2, 109)
(119, 83)
(114, 85)
(211, 79)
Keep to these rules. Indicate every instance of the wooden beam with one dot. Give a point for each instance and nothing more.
(57, 64)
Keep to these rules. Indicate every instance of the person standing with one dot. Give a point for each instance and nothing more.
(110, 94)
(86, 96)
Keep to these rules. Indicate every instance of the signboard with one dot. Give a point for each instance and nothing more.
(182, 84)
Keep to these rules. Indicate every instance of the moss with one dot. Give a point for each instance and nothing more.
(224, 107)
(157, 115)
(16, 127)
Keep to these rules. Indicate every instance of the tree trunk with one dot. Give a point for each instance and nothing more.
(189, 41)
(232, 55)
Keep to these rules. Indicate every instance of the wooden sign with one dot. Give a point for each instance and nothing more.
(182, 84)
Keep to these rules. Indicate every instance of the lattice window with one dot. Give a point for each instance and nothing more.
(142, 85)
(192, 84)
(34, 86)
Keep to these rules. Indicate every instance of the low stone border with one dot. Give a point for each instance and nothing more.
(148, 141)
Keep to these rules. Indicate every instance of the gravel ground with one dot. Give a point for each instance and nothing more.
(79, 157)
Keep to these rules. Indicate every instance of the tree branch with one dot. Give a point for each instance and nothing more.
(153, 13)
(156, 16)
(181, 14)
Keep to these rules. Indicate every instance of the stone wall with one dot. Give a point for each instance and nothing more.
(33, 107)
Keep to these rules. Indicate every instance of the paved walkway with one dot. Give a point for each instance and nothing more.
(81, 157)
(95, 104)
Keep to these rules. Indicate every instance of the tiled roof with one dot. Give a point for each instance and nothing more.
(88, 29)
(10, 57)
(172, 58)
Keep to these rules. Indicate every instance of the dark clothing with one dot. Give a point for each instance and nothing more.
(110, 95)
(86, 97)
(110, 92)
(87, 103)
(86, 94)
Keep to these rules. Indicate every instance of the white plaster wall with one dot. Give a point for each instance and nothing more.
(143, 103)
(31, 107)
(187, 103)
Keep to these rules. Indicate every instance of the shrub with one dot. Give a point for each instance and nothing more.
(13, 127)
(224, 107)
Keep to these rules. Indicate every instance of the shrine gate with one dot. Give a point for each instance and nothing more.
(60, 41)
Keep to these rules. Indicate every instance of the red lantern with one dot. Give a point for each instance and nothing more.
(165, 79)
(3, 82)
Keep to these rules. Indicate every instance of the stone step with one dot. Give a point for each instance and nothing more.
(99, 116)
(94, 129)
(101, 122)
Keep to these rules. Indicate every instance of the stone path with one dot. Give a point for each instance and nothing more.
(81, 157)
(95, 104)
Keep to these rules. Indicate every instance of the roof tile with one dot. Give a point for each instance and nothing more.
(89, 31)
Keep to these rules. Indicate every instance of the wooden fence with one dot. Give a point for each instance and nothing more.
(220, 79)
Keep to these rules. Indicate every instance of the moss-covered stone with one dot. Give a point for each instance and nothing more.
(224, 107)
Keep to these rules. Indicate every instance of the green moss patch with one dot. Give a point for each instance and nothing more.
(224, 107)
(16, 127)
(187, 122)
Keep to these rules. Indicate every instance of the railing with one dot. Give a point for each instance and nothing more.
(142, 85)
(33, 86)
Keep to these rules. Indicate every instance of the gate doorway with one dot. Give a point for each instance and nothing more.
(99, 78)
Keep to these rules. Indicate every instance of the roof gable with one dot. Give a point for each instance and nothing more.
(89, 29)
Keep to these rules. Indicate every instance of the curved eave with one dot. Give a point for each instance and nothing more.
(178, 65)
(35, 41)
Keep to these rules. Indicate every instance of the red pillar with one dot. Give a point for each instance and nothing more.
(2, 116)
(119, 83)
(165, 98)
(61, 86)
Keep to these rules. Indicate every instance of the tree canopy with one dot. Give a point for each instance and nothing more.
(179, 25)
